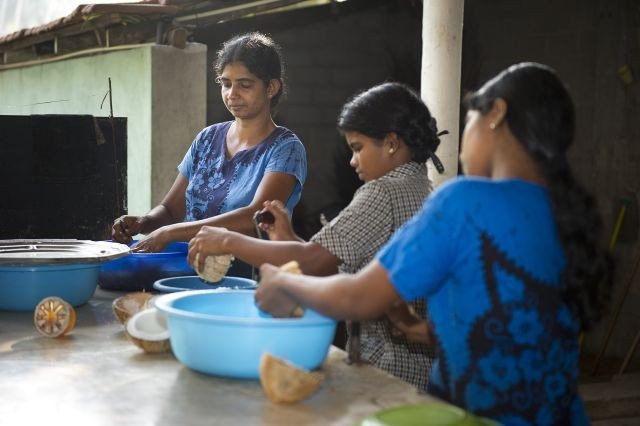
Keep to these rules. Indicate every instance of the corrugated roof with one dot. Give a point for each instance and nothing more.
(86, 12)
(92, 26)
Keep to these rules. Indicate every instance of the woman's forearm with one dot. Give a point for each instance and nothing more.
(362, 296)
(157, 217)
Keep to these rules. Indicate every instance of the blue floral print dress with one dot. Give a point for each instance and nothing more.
(487, 258)
(218, 184)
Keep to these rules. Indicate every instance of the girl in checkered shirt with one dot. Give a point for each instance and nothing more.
(391, 134)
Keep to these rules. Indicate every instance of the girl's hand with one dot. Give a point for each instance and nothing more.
(406, 323)
(270, 297)
(281, 229)
(208, 241)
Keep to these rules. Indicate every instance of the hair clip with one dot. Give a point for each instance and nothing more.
(436, 162)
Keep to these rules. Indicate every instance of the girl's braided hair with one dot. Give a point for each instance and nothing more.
(540, 113)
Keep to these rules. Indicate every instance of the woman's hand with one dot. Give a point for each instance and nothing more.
(270, 297)
(280, 229)
(125, 228)
(406, 323)
(208, 241)
(155, 242)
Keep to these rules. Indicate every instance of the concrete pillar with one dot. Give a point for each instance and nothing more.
(178, 110)
(441, 73)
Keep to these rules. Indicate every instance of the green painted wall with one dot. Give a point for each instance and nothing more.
(160, 89)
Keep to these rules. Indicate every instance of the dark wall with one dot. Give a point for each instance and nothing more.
(331, 53)
(58, 176)
(587, 42)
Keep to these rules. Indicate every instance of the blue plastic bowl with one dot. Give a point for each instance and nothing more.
(138, 271)
(23, 287)
(222, 332)
(171, 285)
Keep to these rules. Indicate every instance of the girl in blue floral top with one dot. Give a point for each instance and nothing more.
(507, 258)
(232, 167)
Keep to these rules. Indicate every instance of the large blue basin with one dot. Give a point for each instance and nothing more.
(138, 271)
(32, 269)
(23, 287)
(222, 332)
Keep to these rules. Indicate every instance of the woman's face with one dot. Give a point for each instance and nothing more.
(370, 157)
(244, 94)
(475, 154)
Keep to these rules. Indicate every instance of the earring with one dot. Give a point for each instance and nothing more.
(391, 150)
(492, 126)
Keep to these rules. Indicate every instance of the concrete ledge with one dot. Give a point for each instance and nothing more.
(618, 398)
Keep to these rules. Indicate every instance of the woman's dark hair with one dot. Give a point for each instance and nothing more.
(540, 114)
(393, 108)
(259, 53)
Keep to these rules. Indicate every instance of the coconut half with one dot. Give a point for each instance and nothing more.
(126, 306)
(284, 382)
(293, 267)
(148, 330)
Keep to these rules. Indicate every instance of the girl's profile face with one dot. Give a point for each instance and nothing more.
(370, 157)
(476, 145)
(244, 94)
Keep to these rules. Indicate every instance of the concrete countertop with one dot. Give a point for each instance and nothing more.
(95, 376)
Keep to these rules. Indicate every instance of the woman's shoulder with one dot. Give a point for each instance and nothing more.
(283, 142)
(464, 193)
(223, 126)
(213, 132)
(283, 135)
(467, 186)
(462, 182)
(459, 192)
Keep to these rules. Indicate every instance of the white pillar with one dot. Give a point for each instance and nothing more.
(441, 74)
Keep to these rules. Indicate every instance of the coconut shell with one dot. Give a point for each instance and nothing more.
(284, 382)
(150, 346)
(126, 306)
(147, 322)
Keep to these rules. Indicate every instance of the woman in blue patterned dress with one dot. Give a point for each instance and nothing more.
(508, 259)
(231, 167)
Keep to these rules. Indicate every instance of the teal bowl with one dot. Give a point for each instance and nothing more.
(223, 333)
(23, 287)
(171, 285)
(32, 269)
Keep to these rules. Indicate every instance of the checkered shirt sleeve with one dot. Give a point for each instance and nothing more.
(356, 234)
